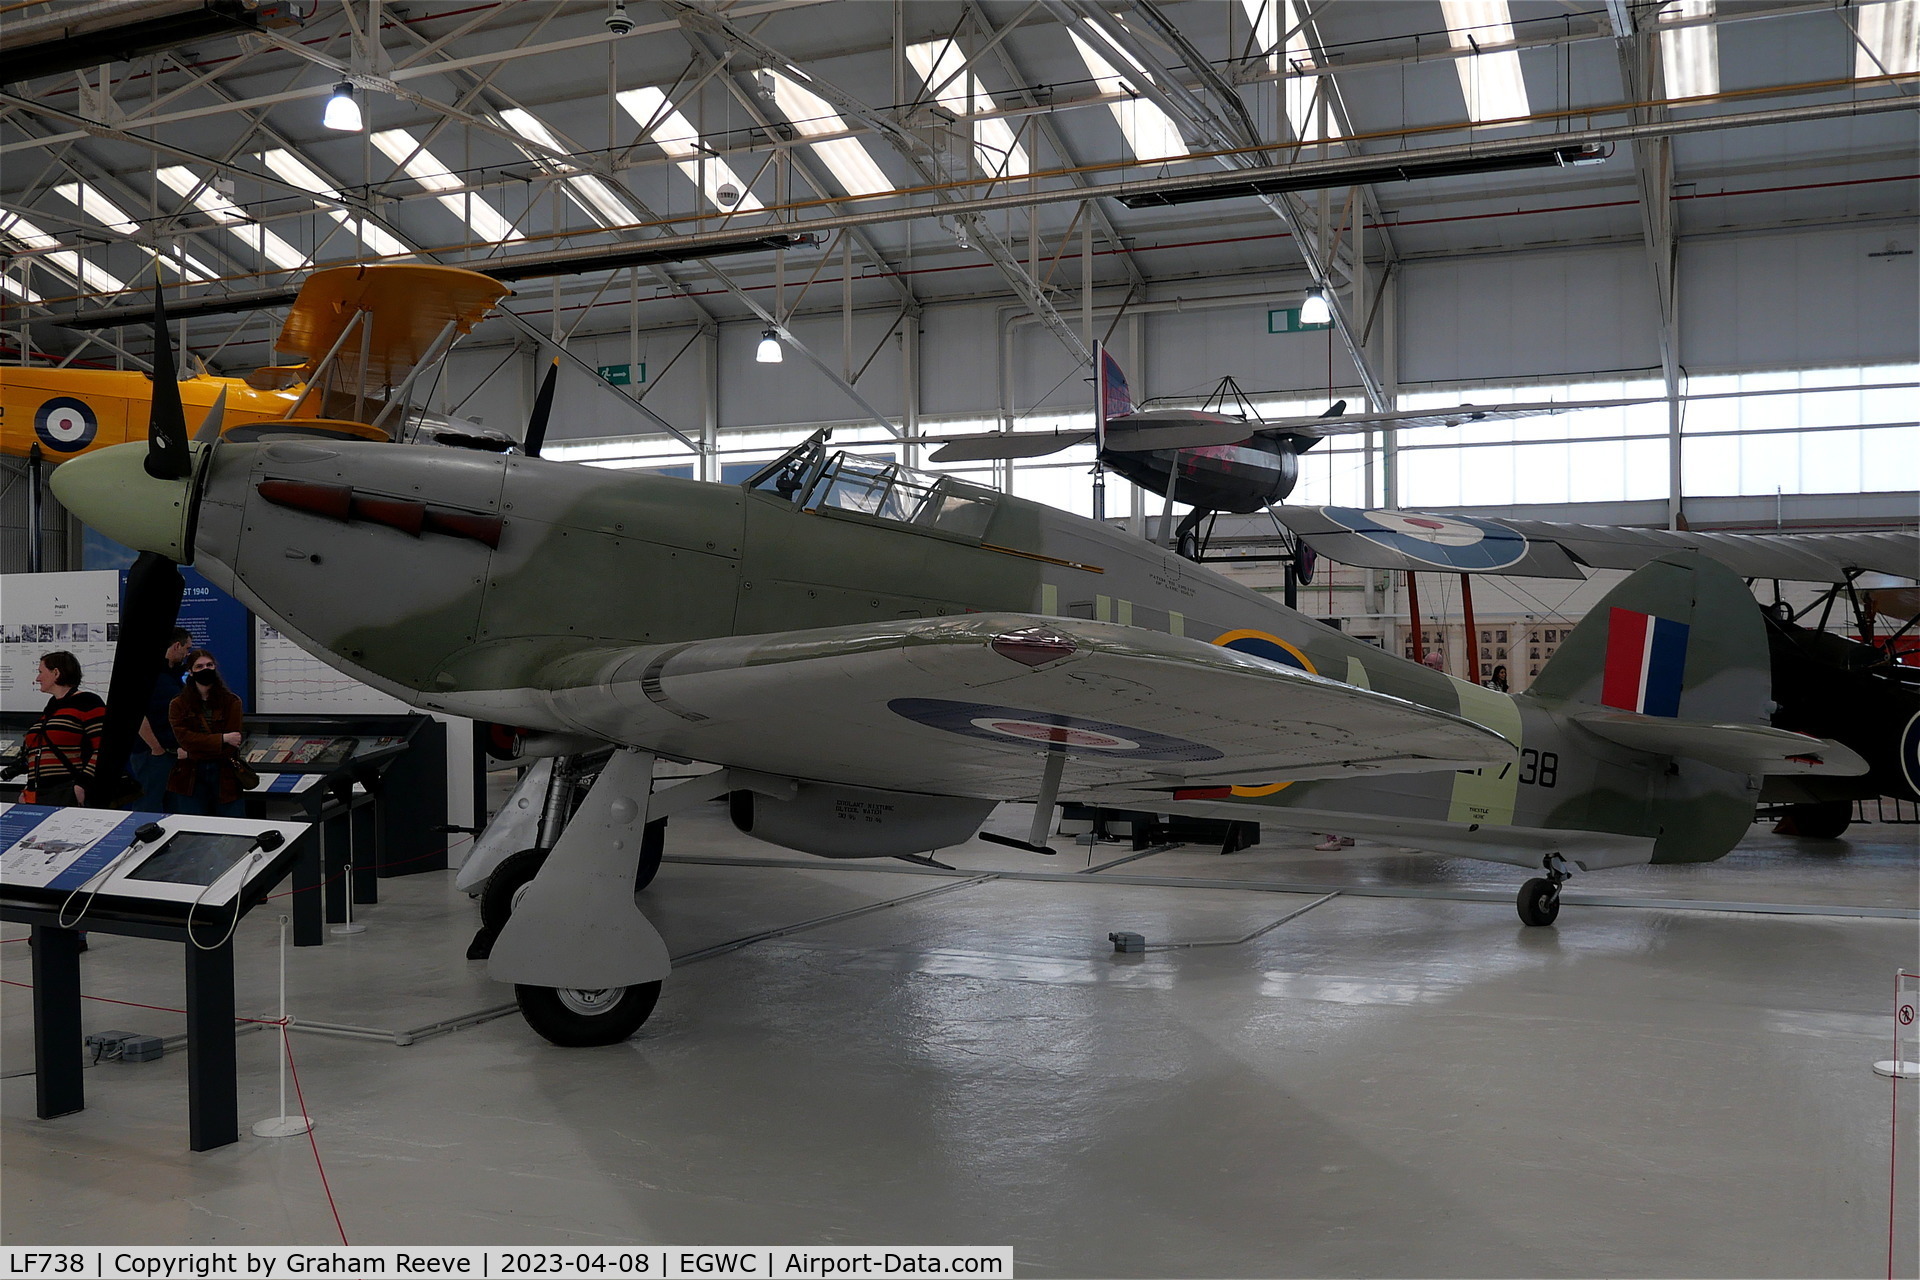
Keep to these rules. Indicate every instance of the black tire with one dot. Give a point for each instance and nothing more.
(587, 1019)
(1539, 902)
(1825, 820)
(653, 847)
(504, 887)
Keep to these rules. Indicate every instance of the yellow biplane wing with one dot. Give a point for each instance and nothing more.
(406, 307)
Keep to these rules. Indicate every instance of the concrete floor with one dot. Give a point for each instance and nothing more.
(1402, 1081)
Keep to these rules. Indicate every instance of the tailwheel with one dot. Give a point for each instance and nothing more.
(582, 1019)
(1539, 901)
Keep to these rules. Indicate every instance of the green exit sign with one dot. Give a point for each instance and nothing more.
(621, 375)
(1287, 320)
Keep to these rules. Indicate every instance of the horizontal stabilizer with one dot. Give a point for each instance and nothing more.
(1741, 748)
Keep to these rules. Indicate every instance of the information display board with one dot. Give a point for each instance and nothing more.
(44, 612)
(291, 681)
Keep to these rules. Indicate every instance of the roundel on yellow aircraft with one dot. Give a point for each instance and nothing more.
(1263, 644)
(65, 425)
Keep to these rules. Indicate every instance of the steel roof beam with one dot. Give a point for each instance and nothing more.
(911, 148)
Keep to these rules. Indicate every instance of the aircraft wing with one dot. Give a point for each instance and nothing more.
(973, 705)
(408, 304)
(1548, 549)
(1006, 444)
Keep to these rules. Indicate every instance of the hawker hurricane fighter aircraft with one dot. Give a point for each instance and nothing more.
(876, 659)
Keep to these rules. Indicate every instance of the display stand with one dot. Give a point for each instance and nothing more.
(371, 783)
(117, 883)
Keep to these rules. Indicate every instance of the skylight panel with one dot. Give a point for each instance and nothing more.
(1889, 38)
(292, 169)
(592, 194)
(185, 183)
(939, 63)
(16, 226)
(1150, 131)
(1270, 19)
(812, 115)
(425, 168)
(673, 135)
(1492, 83)
(96, 206)
(17, 289)
(1690, 56)
(113, 218)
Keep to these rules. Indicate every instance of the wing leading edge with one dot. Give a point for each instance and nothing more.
(973, 705)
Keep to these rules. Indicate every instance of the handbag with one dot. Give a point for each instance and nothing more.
(245, 774)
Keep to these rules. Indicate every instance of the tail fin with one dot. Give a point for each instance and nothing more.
(1680, 640)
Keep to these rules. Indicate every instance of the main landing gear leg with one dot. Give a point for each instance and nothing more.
(585, 963)
(1539, 900)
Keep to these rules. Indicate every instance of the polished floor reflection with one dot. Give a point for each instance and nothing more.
(1403, 1080)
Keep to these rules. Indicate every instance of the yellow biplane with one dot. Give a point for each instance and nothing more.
(362, 336)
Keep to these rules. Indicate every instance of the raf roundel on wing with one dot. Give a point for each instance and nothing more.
(1460, 543)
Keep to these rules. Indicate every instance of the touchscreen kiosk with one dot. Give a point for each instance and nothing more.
(194, 857)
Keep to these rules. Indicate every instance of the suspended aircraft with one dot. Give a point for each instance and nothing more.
(358, 334)
(876, 659)
(1220, 458)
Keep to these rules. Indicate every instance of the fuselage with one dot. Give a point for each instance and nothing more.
(1241, 478)
(70, 412)
(502, 587)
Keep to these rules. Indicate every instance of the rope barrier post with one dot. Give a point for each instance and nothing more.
(282, 1125)
(347, 927)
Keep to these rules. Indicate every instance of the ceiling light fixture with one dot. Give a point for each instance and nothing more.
(769, 351)
(342, 113)
(1315, 309)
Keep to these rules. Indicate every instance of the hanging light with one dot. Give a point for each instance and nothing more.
(769, 351)
(342, 113)
(1315, 310)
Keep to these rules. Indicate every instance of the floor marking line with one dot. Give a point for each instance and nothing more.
(1503, 896)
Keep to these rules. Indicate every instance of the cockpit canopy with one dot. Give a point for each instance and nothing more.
(814, 479)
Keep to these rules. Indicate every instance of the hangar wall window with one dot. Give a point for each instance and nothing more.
(1802, 431)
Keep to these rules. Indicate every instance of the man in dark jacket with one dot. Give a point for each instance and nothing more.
(151, 766)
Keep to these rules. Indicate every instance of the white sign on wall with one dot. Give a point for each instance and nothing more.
(44, 612)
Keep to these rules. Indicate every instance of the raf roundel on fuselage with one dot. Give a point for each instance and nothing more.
(65, 425)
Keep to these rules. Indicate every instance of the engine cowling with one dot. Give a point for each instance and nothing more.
(834, 821)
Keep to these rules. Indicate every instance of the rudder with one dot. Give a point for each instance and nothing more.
(1679, 638)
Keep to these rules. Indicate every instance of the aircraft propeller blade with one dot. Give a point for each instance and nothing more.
(167, 456)
(209, 432)
(536, 436)
(148, 610)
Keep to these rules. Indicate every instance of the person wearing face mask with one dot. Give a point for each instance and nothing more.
(206, 723)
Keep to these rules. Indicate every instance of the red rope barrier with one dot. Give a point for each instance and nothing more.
(287, 1045)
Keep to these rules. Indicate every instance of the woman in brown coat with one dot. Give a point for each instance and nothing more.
(206, 721)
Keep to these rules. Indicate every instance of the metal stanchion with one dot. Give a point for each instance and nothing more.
(282, 1125)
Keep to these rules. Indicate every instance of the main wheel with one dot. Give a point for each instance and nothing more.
(582, 1019)
(1539, 902)
(507, 885)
